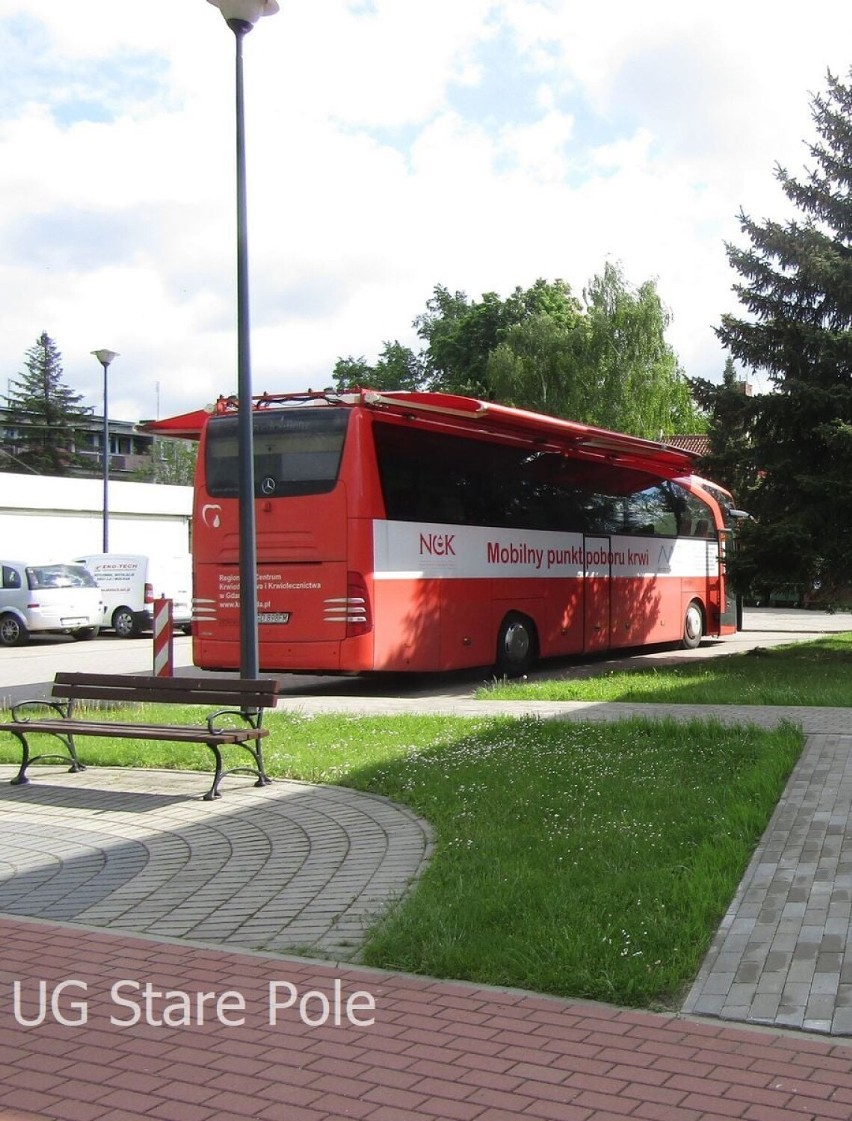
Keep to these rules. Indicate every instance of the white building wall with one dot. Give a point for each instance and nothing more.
(43, 519)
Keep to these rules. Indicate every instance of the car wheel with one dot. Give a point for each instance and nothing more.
(83, 634)
(516, 646)
(124, 623)
(12, 631)
(693, 626)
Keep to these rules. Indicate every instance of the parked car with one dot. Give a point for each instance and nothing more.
(131, 582)
(57, 598)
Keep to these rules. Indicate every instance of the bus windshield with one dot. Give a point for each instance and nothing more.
(296, 451)
(725, 501)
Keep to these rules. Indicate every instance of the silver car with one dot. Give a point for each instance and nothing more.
(57, 598)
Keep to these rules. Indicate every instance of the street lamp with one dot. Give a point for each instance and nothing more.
(241, 16)
(105, 357)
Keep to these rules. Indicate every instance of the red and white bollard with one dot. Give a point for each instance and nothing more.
(163, 638)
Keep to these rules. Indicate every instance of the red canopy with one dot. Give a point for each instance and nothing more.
(188, 425)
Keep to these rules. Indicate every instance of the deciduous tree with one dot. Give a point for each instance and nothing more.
(603, 359)
(398, 367)
(638, 385)
(172, 461)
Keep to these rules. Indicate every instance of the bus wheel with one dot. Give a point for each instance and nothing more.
(516, 646)
(693, 626)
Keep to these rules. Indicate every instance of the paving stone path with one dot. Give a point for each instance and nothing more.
(288, 867)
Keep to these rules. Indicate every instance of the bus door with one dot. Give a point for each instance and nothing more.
(731, 614)
(597, 585)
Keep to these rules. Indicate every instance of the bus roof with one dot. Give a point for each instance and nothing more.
(463, 413)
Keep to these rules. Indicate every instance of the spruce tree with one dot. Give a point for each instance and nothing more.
(730, 412)
(797, 289)
(43, 414)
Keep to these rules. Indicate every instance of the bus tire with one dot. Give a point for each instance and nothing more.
(516, 646)
(693, 626)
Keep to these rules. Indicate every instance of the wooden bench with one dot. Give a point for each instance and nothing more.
(236, 721)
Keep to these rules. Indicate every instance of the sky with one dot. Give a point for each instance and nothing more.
(392, 146)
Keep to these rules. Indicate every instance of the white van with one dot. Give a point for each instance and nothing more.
(58, 598)
(130, 583)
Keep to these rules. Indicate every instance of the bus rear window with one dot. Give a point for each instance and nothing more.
(296, 451)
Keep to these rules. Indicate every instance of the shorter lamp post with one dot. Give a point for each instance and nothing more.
(105, 357)
(241, 16)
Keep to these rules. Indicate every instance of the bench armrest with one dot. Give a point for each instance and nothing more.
(61, 708)
(252, 718)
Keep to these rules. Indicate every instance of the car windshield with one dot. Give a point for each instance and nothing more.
(59, 576)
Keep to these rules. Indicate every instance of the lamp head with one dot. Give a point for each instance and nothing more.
(245, 13)
(105, 356)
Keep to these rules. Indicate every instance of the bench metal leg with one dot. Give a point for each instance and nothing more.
(213, 792)
(257, 770)
(256, 752)
(76, 765)
(27, 757)
(20, 778)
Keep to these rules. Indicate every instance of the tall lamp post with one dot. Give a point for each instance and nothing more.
(105, 357)
(241, 16)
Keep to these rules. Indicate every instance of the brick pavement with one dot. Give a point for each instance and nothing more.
(434, 1050)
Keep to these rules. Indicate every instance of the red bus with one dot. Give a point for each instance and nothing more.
(423, 531)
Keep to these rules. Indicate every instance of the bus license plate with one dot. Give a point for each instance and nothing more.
(274, 617)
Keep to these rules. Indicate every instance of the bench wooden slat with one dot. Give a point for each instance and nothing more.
(189, 684)
(184, 733)
(224, 692)
(211, 699)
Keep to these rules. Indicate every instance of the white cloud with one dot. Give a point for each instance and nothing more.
(540, 149)
(393, 145)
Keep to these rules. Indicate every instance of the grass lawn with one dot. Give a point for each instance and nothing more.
(576, 859)
(804, 673)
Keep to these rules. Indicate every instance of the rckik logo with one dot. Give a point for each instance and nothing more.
(437, 544)
(211, 515)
